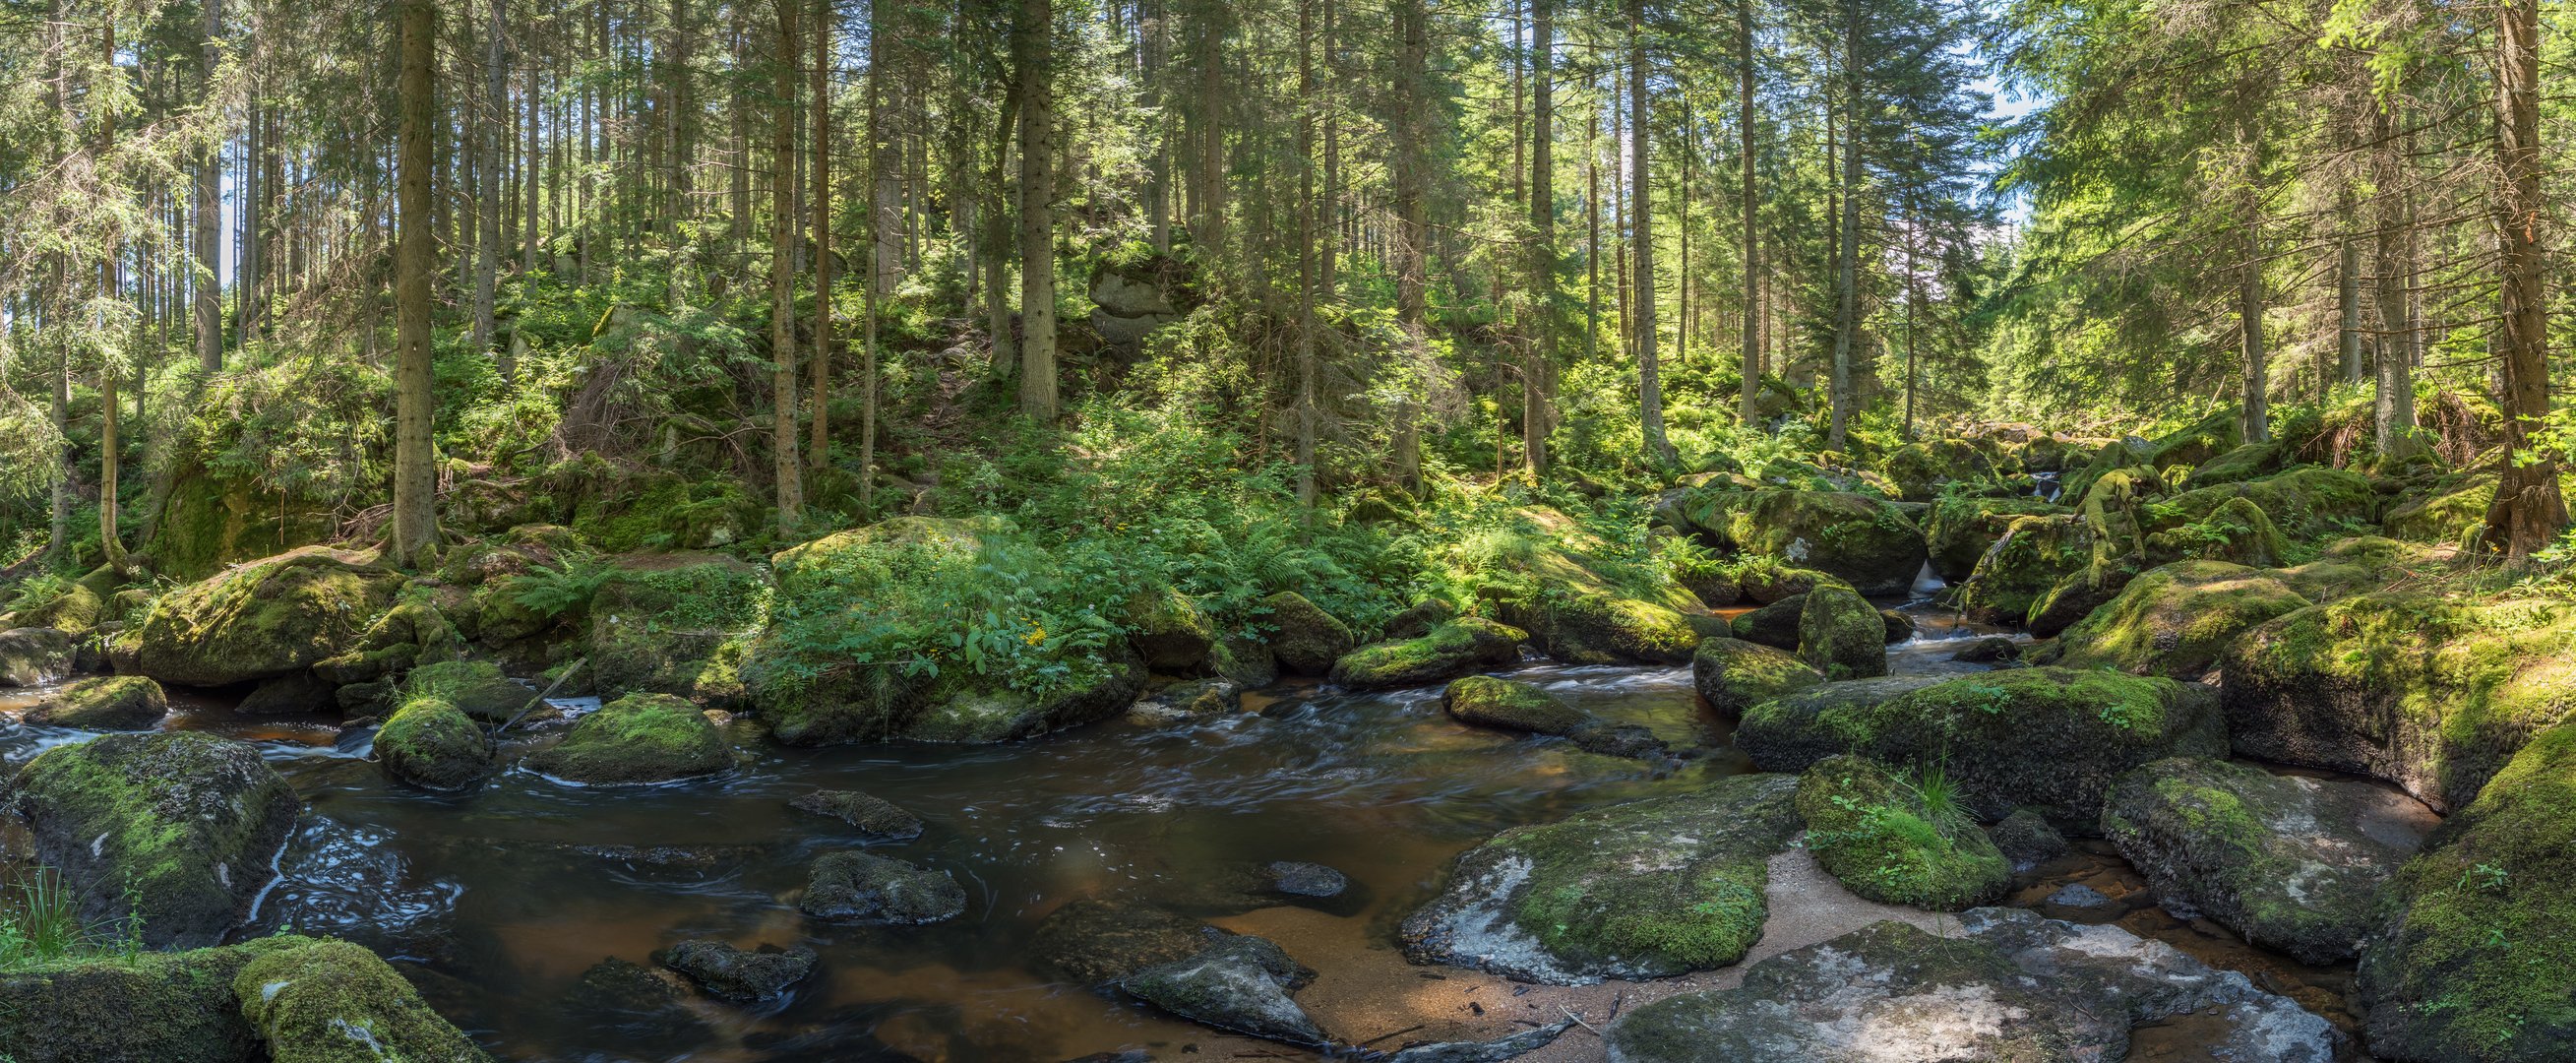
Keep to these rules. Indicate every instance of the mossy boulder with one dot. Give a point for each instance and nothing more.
(875, 817)
(108, 703)
(76, 610)
(268, 618)
(1841, 634)
(2237, 531)
(2432, 693)
(2048, 737)
(1765, 581)
(2007, 986)
(1733, 675)
(904, 574)
(1238, 983)
(2034, 554)
(1644, 889)
(34, 656)
(1170, 632)
(1774, 625)
(410, 633)
(2354, 566)
(739, 975)
(1962, 528)
(2075, 597)
(1580, 625)
(1451, 649)
(1864, 541)
(2252, 461)
(2453, 512)
(639, 738)
(2176, 620)
(1509, 705)
(2475, 959)
(677, 624)
(1896, 841)
(1919, 470)
(1304, 638)
(181, 829)
(2308, 502)
(2291, 863)
(1187, 702)
(856, 886)
(334, 1002)
(432, 744)
(475, 687)
(152, 1007)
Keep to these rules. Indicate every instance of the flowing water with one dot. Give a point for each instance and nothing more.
(497, 901)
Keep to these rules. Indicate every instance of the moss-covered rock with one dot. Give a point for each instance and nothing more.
(151, 1007)
(2048, 737)
(2308, 502)
(2252, 461)
(2237, 531)
(432, 744)
(1921, 469)
(856, 886)
(1451, 649)
(1638, 890)
(1774, 625)
(2450, 513)
(902, 574)
(742, 976)
(2075, 597)
(639, 738)
(181, 829)
(2432, 693)
(271, 617)
(1580, 625)
(1304, 638)
(1170, 632)
(1237, 983)
(476, 687)
(1963, 527)
(2290, 863)
(334, 1002)
(76, 610)
(875, 817)
(34, 656)
(1860, 540)
(2475, 960)
(677, 624)
(1511, 705)
(111, 703)
(1841, 634)
(1895, 841)
(1187, 702)
(410, 633)
(1733, 675)
(1766, 581)
(2358, 565)
(2027, 840)
(2008, 987)
(2034, 555)
(2176, 620)
(210, 521)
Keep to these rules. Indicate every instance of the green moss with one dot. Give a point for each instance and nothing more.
(2477, 960)
(476, 687)
(1864, 541)
(2432, 693)
(2033, 555)
(269, 618)
(429, 742)
(1841, 634)
(1486, 701)
(1896, 842)
(1963, 527)
(334, 1002)
(638, 738)
(1169, 630)
(178, 827)
(2453, 513)
(1304, 638)
(1451, 648)
(111, 703)
(149, 1007)
(676, 624)
(2176, 620)
(1579, 625)
(1734, 675)
(2308, 502)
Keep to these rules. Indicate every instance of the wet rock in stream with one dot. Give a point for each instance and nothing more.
(859, 887)
(1193, 970)
(1510, 705)
(1244, 885)
(738, 975)
(874, 817)
(1187, 702)
(1734, 675)
(635, 1003)
(2013, 986)
(1499, 1050)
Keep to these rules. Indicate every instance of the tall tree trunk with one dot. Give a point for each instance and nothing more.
(999, 247)
(110, 536)
(415, 516)
(819, 430)
(2528, 511)
(533, 169)
(487, 194)
(782, 270)
(2393, 404)
(2347, 292)
(1847, 246)
(1033, 42)
(885, 161)
(1538, 376)
(1412, 256)
(1748, 412)
(208, 281)
(2256, 412)
(1306, 398)
(1650, 384)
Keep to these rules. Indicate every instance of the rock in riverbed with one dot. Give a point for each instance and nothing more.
(858, 886)
(874, 817)
(738, 975)
(111, 703)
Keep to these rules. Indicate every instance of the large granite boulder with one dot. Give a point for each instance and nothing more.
(268, 618)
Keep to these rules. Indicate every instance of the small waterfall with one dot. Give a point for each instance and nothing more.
(2046, 489)
(1928, 583)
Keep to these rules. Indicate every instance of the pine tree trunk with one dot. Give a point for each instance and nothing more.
(782, 271)
(885, 163)
(819, 431)
(2347, 292)
(2256, 411)
(2528, 511)
(1305, 441)
(487, 193)
(1412, 262)
(2393, 404)
(1538, 376)
(415, 515)
(1748, 412)
(1847, 245)
(1650, 384)
(1033, 41)
(208, 277)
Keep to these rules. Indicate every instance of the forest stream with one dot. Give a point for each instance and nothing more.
(496, 903)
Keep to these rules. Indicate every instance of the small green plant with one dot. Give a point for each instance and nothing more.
(1937, 794)
(562, 590)
(40, 921)
(38, 591)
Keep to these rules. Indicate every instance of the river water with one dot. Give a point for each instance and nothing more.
(497, 901)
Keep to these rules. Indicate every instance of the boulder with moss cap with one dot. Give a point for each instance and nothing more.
(2174, 620)
(334, 1002)
(1864, 541)
(107, 703)
(1733, 675)
(1451, 649)
(432, 744)
(1841, 634)
(1645, 889)
(639, 738)
(1897, 841)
